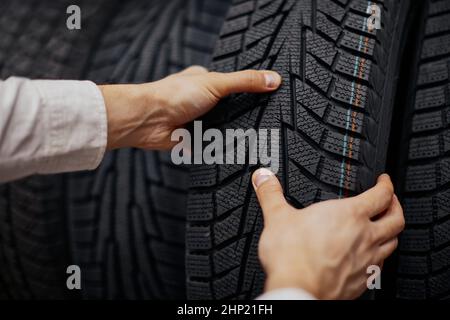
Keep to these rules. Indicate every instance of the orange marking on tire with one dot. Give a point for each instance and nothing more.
(353, 118)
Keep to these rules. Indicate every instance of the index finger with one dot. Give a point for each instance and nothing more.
(391, 224)
(377, 199)
(269, 193)
(252, 81)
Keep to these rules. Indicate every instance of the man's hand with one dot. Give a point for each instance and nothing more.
(145, 115)
(326, 247)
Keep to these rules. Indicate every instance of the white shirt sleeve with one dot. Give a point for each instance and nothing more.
(287, 294)
(50, 126)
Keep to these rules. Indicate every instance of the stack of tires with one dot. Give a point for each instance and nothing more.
(356, 101)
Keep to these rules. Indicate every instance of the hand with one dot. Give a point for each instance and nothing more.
(326, 247)
(145, 115)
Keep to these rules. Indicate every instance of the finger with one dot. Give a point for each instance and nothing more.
(386, 249)
(390, 224)
(269, 192)
(194, 70)
(252, 81)
(376, 200)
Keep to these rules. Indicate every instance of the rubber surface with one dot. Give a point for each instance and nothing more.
(127, 219)
(35, 43)
(424, 250)
(333, 110)
(124, 224)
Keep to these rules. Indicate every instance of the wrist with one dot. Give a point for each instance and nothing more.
(287, 280)
(115, 101)
(128, 108)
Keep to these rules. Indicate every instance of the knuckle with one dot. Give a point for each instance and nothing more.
(402, 222)
(363, 210)
(214, 84)
(391, 230)
(348, 206)
(190, 69)
(394, 244)
(198, 69)
(353, 211)
(386, 193)
(398, 224)
(390, 248)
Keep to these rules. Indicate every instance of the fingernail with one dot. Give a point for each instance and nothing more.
(260, 176)
(272, 80)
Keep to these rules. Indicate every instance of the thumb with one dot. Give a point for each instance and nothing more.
(269, 192)
(252, 81)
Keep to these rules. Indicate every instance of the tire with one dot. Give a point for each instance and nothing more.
(128, 244)
(423, 263)
(128, 218)
(333, 111)
(35, 43)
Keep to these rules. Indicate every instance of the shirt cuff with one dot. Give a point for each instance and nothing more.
(76, 123)
(287, 294)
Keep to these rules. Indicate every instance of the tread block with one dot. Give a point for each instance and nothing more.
(421, 178)
(431, 98)
(351, 93)
(418, 210)
(427, 122)
(415, 240)
(412, 265)
(433, 72)
(437, 46)
(411, 289)
(346, 64)
(424, 147)
(438, 24)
